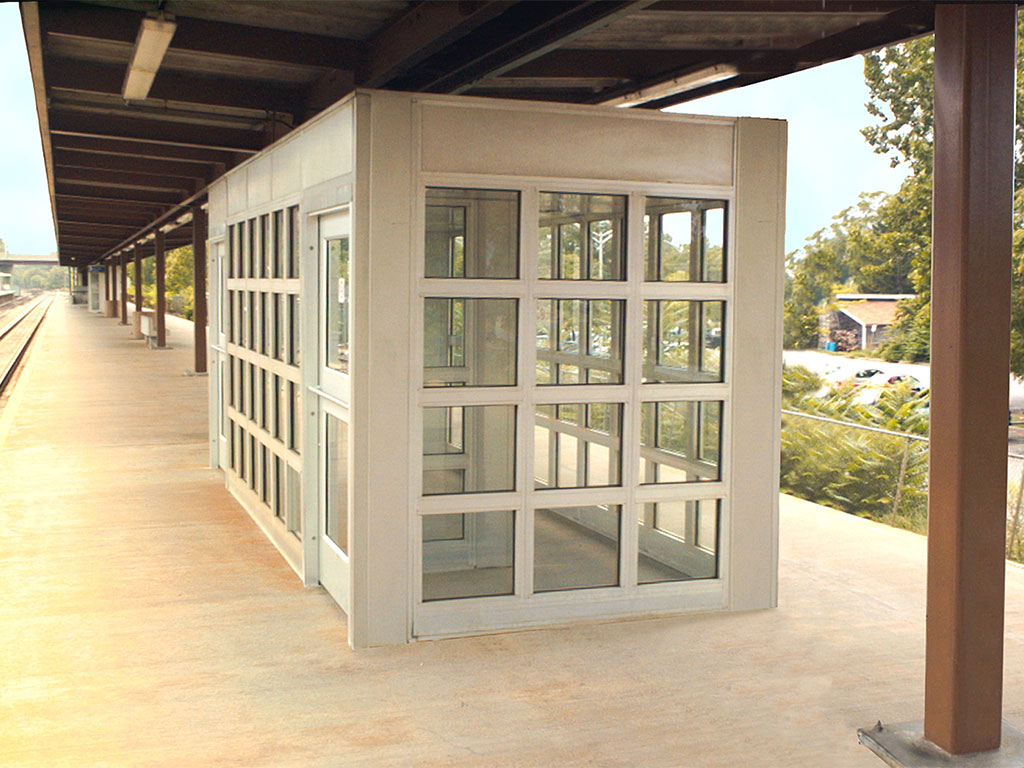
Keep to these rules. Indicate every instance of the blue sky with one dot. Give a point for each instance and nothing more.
(830, 164)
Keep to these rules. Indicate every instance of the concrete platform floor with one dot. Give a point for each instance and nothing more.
(145, 621)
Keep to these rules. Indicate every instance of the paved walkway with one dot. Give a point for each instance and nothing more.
(145, 620)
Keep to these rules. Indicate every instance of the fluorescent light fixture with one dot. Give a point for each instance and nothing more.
(151, 43)
(685, 82)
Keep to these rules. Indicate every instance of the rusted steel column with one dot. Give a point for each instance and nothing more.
(137, 257)
(107, 284)
(161, 299)
(973, 166)
(199, 285)
(123, 277)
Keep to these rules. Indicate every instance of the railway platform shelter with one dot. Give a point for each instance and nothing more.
(182, 124)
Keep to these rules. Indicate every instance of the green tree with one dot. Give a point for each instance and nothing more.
(900, 80)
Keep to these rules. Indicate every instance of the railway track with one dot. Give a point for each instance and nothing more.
(16, 336)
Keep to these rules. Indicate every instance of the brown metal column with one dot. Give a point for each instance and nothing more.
(137, 257)
(973, 166)
(199, 285)
(108, 284)
(123, 283)
(161, 300)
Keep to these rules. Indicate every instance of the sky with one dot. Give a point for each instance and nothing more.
(830, 164)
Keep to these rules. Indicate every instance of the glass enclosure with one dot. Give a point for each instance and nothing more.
(578, 450)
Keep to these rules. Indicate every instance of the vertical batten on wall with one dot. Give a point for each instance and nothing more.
(501, 314)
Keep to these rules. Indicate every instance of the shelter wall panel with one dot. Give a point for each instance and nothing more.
(328, 194)
(286, 178)
(757, 345)
(218, 210)
(542, 143)
(237, 191)
(258, 180)
(326, 147)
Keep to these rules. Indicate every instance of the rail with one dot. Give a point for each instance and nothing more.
(12, 366)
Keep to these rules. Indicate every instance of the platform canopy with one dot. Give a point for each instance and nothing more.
(142, 104)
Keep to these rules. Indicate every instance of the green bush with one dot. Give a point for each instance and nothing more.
(850, 469)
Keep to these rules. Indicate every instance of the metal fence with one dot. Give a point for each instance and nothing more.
(874, 472)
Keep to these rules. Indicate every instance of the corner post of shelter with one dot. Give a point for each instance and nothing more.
(973, 178)
(122, 273)
(199, 231)
(161, 285)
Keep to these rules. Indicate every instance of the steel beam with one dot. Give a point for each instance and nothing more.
(421, 32)
(199, 36)
(161, 289)
(92, 77)
(123, 276)
(174, 133)
(199, 285)
(970, 313)
(119, 146)
(137, 259)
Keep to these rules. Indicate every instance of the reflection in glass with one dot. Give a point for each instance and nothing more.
(578, 445)
(582, 237)
(679, 441)
(678, 541)
(337, 304)
(336, 456)
(576, 548)
(469, 342)
(579, 341)
(683, 341)
(468, 555)
(469, 449)
(684, 240)
(472, 233)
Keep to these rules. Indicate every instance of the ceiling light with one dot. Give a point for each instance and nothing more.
(151, 43)
(680, 84)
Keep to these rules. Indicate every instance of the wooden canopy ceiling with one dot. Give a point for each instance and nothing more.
(241, 73)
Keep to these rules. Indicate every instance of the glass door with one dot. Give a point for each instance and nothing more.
(333, 340)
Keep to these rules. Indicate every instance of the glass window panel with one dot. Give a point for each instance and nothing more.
(472, 233)
(294, 255)
(293, 501)
(678, 541)
(469, 342)
(337, 304)
(683, 341)
(264, 324)
(265, 246)
(250, 230)
(468, 555)
(294, 416)
(469, 449)
(576, 547)
(684, 240)
(252, 463)
(580, 445)
(278, 507)
(582, 237)
(264, 475)
(231, 250)
(295, 329)
(587, 338)
(231, 446)
(279, 247)
(679, 441)
(336, 456)
(253, 323)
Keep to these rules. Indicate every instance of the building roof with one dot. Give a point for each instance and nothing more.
(880, 310)
(238, 74)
